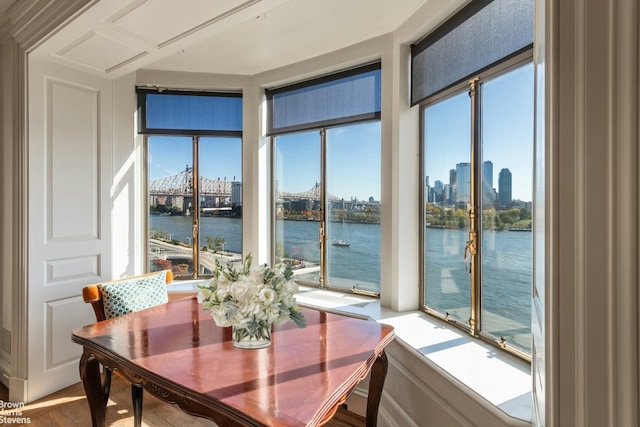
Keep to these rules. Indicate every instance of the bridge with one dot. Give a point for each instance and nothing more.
(180, 185)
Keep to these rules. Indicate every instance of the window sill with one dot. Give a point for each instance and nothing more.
(478, 366)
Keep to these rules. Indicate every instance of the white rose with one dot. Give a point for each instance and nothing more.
(239, 291)
(253, 308)
(267, 296)
(221, 294)
(220, 317)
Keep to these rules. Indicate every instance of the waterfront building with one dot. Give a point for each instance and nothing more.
(236, 193)
(463, 183)
(504, 188)
(438, 188)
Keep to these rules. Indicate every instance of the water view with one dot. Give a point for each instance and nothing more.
(506, 264)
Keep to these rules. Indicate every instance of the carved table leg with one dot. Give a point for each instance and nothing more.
(376, 382)
(92, 383)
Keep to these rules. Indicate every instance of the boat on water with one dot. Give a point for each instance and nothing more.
(343, 242)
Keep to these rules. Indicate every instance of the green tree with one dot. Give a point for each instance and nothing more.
(218, 244)
(210, 242)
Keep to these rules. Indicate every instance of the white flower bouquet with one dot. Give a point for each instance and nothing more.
(251, 299)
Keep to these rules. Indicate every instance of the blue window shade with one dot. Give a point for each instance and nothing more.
(482, 34)
(347, 97)
(188, 112)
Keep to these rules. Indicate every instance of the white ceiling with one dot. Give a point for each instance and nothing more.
(245, 37)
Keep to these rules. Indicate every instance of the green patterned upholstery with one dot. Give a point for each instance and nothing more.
(126, 296)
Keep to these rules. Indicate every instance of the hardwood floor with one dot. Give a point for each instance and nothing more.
(68, 407)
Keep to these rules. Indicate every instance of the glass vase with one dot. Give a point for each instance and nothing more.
(251, 337)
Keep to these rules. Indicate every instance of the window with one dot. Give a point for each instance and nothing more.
(326, 172)
(477, 219)
(194, 151)
(477, 170)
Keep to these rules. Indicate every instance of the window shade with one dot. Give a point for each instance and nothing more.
(191, 113)
(346, 97)
(480, 35)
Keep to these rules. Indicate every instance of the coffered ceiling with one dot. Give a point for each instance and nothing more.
(245, 37)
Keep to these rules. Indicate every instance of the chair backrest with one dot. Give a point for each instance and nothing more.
(95, 293)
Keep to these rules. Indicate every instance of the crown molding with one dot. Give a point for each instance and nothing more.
(31, 21)
(15, 7)
(6, 20)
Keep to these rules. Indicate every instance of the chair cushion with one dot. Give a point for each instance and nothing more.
(126, 296)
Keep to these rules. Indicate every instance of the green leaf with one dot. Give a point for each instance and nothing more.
(247, 263)
(298, 318)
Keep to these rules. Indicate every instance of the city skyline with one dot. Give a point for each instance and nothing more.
(354, 152)
(489, 192)
(506, 130)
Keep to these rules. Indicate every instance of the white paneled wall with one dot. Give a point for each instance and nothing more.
(69, 215)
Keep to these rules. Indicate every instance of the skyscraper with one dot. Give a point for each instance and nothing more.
(487, 183)
(452, 185)
(438, 188)
(452, 177)
(463, 182)
(504, 188)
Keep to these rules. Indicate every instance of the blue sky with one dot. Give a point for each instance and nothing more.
(354, 151)
(507, 131)
(220, 157)
(353, 161)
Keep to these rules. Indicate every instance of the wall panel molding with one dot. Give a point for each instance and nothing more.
(594, 122)
(428, 395)
(79, 268)
(72, 142)
(63, 316)
(624, 200)
(27, 23)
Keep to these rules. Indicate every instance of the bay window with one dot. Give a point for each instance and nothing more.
(473, 79)
(194, 184)
(326, 178)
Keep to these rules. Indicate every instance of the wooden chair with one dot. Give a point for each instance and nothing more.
(94, 294)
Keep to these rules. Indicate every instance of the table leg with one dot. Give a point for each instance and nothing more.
(136, 398)
(92, 383)
(376, 382)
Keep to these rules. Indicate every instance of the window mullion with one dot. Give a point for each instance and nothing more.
(323, 210)
(473, 244)
(195, 212)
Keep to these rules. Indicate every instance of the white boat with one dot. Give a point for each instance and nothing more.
(342, 242)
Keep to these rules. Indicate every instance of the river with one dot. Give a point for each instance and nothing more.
(506, 275)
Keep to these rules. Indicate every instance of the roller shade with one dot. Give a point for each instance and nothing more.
(482, 34)
(345, 97)
(193, 113)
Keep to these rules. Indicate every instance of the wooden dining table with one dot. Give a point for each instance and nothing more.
(178, 354)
